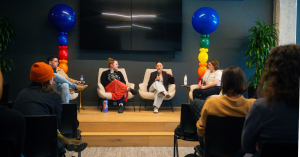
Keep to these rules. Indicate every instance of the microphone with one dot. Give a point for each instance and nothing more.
(158, 72)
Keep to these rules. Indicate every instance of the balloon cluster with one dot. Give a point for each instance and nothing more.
(205, 21)
(62, 18)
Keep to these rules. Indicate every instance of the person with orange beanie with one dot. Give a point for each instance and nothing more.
(40, 98)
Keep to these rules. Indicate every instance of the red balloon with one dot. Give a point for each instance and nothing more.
(63, 54)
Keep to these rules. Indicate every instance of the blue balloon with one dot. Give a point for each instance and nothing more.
(62, 17)
(205, 20)
(62, 40)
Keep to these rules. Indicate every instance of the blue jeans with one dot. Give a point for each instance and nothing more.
(63, 86)
(121, 100)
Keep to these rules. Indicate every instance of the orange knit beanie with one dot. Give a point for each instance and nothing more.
(41, 72)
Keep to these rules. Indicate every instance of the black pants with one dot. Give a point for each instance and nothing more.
(204, 93)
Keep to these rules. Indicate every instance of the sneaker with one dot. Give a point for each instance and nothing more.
(76, 147)
(155, 110)
(168, 96)
(133, 91)
(161, 94)
(120, 109)
(80, 88)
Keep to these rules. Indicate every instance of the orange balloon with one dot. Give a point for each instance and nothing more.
(202, 64)
(64, 67)
(201, 71)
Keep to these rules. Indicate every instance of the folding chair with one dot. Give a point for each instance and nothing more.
(69, 122)
(41, 136)
(187, 128)
(222, 136)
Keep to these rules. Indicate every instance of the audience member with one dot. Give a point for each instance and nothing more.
(232, 103)
(211, 82)
(275, 116)
(63, 83)
(40, 98)
(114, 82)
(13, 128)
(158, 83)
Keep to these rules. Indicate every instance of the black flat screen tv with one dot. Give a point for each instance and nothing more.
(132, 25)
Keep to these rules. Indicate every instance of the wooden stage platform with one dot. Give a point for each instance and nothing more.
(130, 128)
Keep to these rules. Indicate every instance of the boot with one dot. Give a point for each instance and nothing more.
(73, 145)
(80, 88)
(133, 91)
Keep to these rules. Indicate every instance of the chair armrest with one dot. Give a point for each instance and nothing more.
(194, 86)
(171, 87)
(130, 85)
(101, 87)
(143, 87)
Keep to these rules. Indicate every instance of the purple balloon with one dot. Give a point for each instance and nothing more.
(205, 20)
(62, 17)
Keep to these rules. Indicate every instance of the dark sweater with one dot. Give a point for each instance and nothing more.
(32, 101)
(266, 123)
(12, 129)
(167, 79)
(107, 77)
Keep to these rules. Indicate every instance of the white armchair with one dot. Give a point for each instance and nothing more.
(144, 94)
(103, 94)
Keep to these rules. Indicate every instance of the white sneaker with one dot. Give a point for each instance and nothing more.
(155, 110)
(161, 94)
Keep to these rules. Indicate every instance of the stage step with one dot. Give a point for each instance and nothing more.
(117, 139)
(130, 128)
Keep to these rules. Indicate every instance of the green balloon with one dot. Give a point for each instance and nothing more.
(204, 43)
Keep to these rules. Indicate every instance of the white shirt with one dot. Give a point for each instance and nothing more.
(210, 77)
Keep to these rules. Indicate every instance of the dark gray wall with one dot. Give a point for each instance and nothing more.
(37, 39)
(298, 23)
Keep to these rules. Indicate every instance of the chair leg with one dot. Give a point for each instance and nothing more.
(171, 105)
(99, 102)
(145, 103)
(101, 105)
(133, 105)
(175, 151)
(140, 105)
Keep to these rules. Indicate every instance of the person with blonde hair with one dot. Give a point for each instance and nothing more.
(274, 117)
(40, 98)
(114, 82)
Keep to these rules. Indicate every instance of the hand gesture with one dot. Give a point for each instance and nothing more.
(170, 73)
(157, 78)
(78, 82)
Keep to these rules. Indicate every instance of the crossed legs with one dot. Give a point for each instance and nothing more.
(159, 94)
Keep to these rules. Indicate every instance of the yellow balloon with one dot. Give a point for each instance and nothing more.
(203, 50)
(202, 57)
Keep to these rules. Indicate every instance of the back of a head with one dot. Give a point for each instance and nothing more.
(281, 77)
(233, 81)
(110, 61)
(42, 73)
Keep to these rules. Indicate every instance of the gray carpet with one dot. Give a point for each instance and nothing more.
(132, 152)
